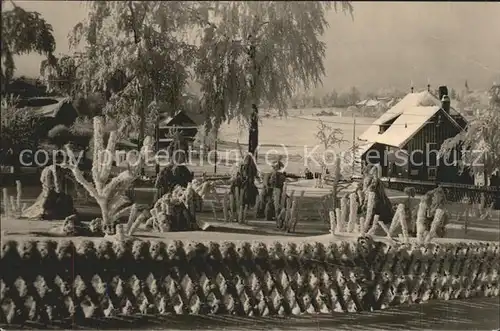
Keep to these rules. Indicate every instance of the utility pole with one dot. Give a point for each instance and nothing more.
(157, 128)
(215, 147)
(353, 143)
(157, 142)
(158, 191)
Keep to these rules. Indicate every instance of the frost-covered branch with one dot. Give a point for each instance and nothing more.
(104, 190)
(478, 146)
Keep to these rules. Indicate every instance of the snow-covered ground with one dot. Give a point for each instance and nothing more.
(296, 132)
(293, 136)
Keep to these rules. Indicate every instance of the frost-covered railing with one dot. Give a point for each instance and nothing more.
(454, 191)
(51, 281)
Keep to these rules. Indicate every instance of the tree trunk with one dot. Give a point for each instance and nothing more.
(157, 142)
(103, 205)
(142, 125)
(253, 133)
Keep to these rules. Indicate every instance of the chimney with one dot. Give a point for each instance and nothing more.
(443, 90)
(445, 99)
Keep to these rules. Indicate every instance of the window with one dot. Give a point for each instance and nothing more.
(382, 128)
(432, 173)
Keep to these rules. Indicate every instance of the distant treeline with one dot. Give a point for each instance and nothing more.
(339, 99)
(348, 98)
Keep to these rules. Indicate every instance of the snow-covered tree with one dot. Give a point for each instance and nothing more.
(137, 52)
(329, 136)
(23, 32)
(59, 74)
(453, 94)
(354, 96)
(18, 128)
(480, 142)
(107, 190)
(259, 52)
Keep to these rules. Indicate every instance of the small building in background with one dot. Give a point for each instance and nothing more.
(52, 111)
(373, 103)
(361, 103)
(391, 102)
(57, 110)
(184, 122)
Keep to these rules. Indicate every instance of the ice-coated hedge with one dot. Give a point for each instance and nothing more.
(49, 281)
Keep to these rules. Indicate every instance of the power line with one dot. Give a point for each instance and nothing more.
(367, 124)
(399, 113)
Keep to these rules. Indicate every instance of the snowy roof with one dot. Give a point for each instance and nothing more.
(45, 107)
(363, 148)
(125, 143)
(195, 117)
(391, 102)
(167, 119)
(409, 116)
(372, 103)
(410, 100)
(407, 125)
(53, 110)
(368, 103)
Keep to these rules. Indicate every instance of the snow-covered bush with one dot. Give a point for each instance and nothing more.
(108, 193)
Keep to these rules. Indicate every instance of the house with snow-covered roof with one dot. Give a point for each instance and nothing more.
(405, 140)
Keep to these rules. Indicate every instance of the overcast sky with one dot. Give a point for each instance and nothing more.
(387, 44)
